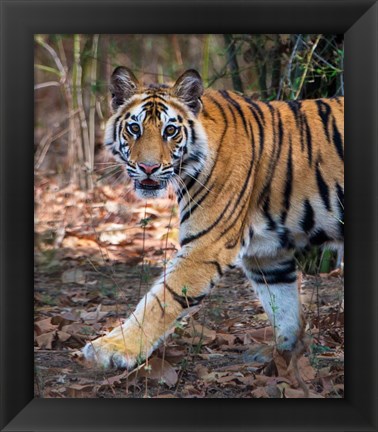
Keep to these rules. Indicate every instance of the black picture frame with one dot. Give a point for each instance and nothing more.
(358, 20)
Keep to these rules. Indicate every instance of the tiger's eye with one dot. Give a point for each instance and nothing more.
(134, 128)
(170, 130)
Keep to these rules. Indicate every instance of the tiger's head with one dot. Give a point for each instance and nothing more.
(155, 132)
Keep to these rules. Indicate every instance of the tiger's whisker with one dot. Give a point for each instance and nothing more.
(186, 172)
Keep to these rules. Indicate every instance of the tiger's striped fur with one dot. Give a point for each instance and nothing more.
(254, 181)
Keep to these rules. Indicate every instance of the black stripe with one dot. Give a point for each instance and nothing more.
(194, 157)
(308, 220)
(280, 139)
(295, 107)
(256, 112)
(252, 135)
(217, 265)
(319, 238)
(162, 106)
(255, 107)
(308, 139)
(117, 153)
(337, 141)
(251, 233)
(261, 131)
(286, 266)
(233, 115)
(323, 189)
(236, 105)
(288, 183)
(120, 125)
(229, 108)
(340, 201)
(190, 238)
(284, 273)
(194, 137)
(266, 207)
(179, 194)
(190, 184)
(324, 111)
(281, 278)
(154, 96)
(193, 207)
(286, 239)
(115, 126)
(147, 105)
(185, 301)
(207, 115)
(185, 129)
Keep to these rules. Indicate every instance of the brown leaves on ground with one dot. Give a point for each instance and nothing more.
(98, 253)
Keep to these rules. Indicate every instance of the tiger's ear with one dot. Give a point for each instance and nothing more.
(123, 85)
(189, 88)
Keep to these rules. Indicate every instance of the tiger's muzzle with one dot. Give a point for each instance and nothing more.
(151, 179)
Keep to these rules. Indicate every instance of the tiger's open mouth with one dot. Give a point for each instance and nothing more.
(149, 184)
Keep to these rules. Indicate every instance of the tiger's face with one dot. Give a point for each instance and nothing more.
(155, 132)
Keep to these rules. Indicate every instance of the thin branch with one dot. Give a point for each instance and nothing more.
(289, 66)
(309, 57)
(47, 84)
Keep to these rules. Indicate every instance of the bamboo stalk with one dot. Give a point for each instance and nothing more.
(205, 60)
(86, 180)
(92, 103)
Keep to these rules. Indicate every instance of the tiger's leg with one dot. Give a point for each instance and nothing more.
(185, 283)
(275, 281)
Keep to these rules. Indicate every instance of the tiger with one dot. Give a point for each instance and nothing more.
(255, 181)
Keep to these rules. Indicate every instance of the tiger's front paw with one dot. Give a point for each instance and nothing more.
(113, 351)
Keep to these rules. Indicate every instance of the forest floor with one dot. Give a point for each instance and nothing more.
(97, 253)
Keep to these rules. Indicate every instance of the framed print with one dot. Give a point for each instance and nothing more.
(58, 58)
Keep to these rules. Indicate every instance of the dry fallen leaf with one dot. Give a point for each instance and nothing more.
(45, 340)
(291, 393)
(79, 391)
(44, 326)
(264, 334)
(199, 334)
(93, 317)
(63, 336)
(260, 392)
(159, 370)
(74, 275)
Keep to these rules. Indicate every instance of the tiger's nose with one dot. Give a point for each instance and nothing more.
(149, 169)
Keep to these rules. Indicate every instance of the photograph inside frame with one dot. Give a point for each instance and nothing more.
(189, 216)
